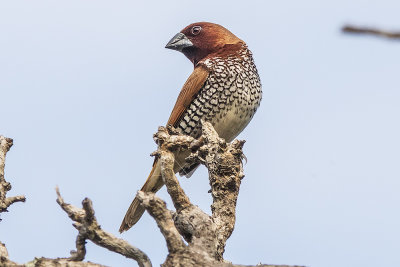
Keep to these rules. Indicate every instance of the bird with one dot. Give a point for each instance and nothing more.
(223, 89)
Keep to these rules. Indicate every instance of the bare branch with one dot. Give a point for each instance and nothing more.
(74, 213)
(224, 164)
(80, 252)
(43, 262)
(178, 196)
(158, 210)
(195, 226)
(4, 260)
(86, 224)
(60, 262)
(206, 235)
(371, 31)
(5, 202)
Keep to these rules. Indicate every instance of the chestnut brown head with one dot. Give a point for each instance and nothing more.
(199, 40)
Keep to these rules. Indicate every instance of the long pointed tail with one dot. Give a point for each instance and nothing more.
(153, 183)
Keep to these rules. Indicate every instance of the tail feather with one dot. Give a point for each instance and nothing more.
(132, 216)
(153, 183)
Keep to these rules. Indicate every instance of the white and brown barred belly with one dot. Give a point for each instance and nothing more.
(229, 98)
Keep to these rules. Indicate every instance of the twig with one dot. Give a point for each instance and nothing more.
(370, 31)
(86, 224)
(5, 202)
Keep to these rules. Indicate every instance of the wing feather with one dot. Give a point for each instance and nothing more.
(189, 91)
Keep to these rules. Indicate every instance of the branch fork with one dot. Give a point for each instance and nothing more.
(89, 229)
(205, 235)
(5, 202)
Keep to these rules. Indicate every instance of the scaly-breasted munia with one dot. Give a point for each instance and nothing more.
(224, 89)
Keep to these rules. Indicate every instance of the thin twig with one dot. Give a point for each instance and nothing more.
(371, 31)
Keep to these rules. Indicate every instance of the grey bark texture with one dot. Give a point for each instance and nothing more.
(5, 202)
(205, 235)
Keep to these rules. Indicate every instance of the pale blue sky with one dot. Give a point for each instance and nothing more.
(85, 84)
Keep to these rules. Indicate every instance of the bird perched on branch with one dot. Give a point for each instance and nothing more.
(223, 89)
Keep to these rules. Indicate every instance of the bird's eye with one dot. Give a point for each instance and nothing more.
(195, 30)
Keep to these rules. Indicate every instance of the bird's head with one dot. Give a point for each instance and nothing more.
(199, 40)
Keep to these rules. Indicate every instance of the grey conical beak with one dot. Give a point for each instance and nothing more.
(178, 42)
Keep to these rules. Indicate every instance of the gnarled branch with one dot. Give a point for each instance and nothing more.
(89, 229)
(5, 202)
(205, 235)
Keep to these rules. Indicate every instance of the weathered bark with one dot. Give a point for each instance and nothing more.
(5, 202)
(205, 235)
(89, 229)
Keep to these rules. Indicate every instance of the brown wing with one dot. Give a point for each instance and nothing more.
(154, 182)
(190, 89)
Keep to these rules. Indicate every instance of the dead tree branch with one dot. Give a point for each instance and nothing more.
(5, 202)
(158, 210)
(89, 229)
(85, 222)
(371, 31)
(205, 235)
